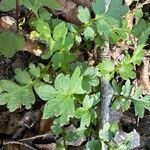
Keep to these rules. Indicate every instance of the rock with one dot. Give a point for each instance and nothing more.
(122, 136)
(114, 115)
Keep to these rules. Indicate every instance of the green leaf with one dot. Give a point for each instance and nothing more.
(62, 105)
(61, 102)
(47, 78)
(146, 100)
(35, 71)
(7, 5)
(93, 145)
(141, 103)
(62, 83)
(73, 136)
(78, 38)
(126, 71)
(57, 129)
(45, 91)
(116, 104)
(64, 43)
(67, 42)
(138, 55)
(22, 76)
(104, 133)
(141, 31)
(98, 7)
(8, 85)
(84, 14)
(139, 27)
(87, 102)
(44, 14)
(43, 28)
(86, 120)
(15, 96)
(126, 89)
(8, 49)
(89, 33)
(3, 98)
(99, 41)
(117, 87)
(76, 82)
(80, 112)
(138, 13)
(90, 78)
(84, 115)
(52, 108)
(60, 31)
(124, 101)
(58, 44)
(106, 67)
(28, 97)
(62, 60)
(121, 32)
(139, 109)
(116, 10)
(114, 37)
(33, 5)
(103, 27)
(53, 4)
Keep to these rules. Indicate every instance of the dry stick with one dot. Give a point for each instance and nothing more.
(106, 96)
(105, 88)
(19, 143)
(33, 138)
(17, 14)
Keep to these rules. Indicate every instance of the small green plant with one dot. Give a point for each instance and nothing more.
(72, 91)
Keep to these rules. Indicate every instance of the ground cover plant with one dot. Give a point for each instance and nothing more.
(89, 59)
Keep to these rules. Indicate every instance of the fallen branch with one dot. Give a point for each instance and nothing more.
(18, 143)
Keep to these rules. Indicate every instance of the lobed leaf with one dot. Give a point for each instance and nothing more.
(8, 49)
(84, 14)
(15, 96)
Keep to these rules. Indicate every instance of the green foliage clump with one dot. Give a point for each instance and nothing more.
(69, 86)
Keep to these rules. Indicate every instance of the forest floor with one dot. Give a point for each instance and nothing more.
(25, 126)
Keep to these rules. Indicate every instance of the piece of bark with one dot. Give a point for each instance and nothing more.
(85, 3)
(68, 11)
(45, 125)
(34, 47)
(46, 146)
(144, 76)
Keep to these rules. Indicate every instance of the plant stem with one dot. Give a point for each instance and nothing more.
(64, 138)
(130, 98)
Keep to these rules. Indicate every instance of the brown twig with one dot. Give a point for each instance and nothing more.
(34, 137)
(19, 143)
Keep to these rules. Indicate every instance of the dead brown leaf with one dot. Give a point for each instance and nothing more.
(7, 23)
(130, 18)
(34, 47)
(144, 76)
